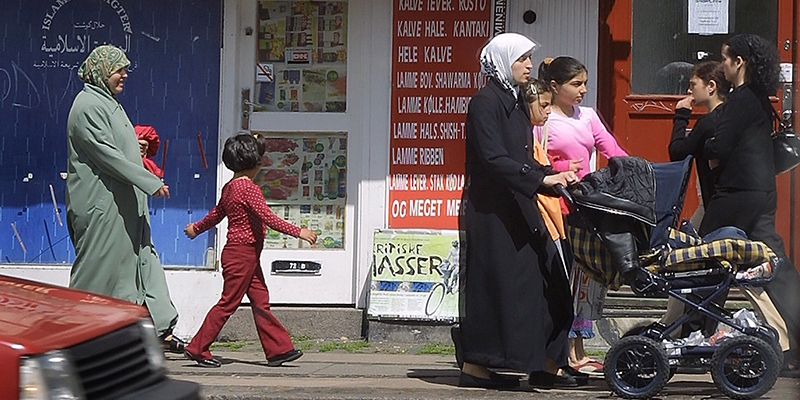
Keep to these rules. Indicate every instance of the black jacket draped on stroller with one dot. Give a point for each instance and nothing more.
(618, 210)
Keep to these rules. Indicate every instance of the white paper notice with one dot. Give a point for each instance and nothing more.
(708, 17)
(786, 72)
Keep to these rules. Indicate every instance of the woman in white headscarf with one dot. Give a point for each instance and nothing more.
(516, 306)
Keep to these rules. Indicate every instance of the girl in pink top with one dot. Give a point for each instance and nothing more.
(248, 218)
(572, 133)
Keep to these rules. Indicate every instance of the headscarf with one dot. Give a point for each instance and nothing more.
(500, 53)
(102, 62)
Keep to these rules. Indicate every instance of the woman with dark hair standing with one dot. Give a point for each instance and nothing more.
(571, 134)
(741, 148)
(514, 299)
(708, 88)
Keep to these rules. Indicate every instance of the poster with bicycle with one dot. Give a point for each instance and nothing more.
(414, 275)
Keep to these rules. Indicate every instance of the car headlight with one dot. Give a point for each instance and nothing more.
(50, 376)
(152, 344)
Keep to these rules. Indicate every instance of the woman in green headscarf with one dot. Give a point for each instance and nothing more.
(106, 198)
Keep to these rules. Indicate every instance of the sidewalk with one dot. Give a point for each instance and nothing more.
(341, 375)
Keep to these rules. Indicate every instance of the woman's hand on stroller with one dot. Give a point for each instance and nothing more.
(565, 179)
(560, 181)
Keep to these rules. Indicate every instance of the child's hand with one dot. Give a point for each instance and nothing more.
(308, 235)
(189, 231)
(575, 165)
(143, 145)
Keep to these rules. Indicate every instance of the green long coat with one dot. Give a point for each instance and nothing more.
(107, 213)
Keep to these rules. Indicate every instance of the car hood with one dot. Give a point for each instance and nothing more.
(37, 317)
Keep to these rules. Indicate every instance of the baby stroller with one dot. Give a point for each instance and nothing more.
(624, 230)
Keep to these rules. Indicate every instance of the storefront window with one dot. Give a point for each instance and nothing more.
(670, 36)
(304, 179)
(302, 56)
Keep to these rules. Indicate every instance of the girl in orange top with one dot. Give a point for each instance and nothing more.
(539, 97)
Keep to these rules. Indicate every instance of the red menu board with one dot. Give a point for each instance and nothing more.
(435, 72)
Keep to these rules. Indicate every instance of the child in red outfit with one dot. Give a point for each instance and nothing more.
(148, 146)
(248, 216)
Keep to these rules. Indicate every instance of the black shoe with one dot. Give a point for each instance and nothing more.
(290, 355)
(503, 377)
(791, 368)
(545, 380)
(203, 362)
(455, 334)
(790, 373)
(581, 378)
(501, 382)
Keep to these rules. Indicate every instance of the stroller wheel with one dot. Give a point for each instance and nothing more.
(770, 336)
(744, 367)
(636, 367)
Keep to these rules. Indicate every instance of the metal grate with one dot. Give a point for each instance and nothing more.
(114, 364)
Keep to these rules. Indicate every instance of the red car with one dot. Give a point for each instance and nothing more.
(60, 343)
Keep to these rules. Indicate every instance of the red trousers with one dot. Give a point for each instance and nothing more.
(241, 273)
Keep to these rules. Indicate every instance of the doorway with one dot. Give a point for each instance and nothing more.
(645, 47)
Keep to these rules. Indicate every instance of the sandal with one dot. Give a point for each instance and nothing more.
(590, 367)
(174, 344)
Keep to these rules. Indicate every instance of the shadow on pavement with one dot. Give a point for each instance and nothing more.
(193, 364)
(691, 387)
(449, 377)
(260, 364)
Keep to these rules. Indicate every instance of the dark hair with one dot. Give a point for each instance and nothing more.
(533, 89)
(241, 152)
(262, 142)
(709, 71)
(760, 58)
(561, 69)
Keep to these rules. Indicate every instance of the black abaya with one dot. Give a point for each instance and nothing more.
(516, 306)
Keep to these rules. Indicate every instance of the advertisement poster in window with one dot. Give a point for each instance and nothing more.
(303, 177)
(414, 275)
(304, 45)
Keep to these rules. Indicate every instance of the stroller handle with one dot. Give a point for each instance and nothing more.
(562, 191)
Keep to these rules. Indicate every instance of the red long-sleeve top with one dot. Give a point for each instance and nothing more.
(248, 214)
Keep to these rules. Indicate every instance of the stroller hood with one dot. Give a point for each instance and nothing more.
(625, 187)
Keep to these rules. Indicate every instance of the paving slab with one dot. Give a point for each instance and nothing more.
(351, 376)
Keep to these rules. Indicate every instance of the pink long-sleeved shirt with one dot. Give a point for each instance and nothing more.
(571, 138)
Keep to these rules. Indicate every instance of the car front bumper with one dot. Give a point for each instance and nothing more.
(167, 389)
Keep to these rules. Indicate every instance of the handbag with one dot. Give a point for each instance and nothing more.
(785, 147)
